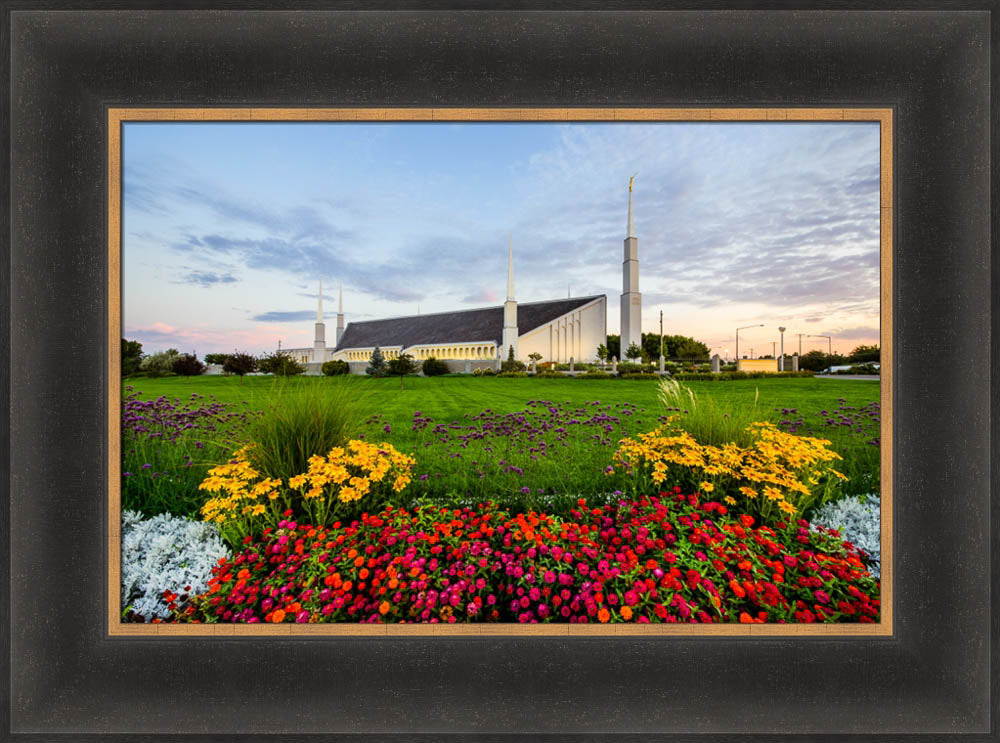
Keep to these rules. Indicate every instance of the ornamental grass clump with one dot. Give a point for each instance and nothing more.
(708, 421)
(333, 486)
(300, 418)
(670, 558)
(777, 476)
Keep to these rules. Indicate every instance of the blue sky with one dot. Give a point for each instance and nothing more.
(228, 226)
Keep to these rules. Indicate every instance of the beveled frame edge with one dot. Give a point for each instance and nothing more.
(117, 116)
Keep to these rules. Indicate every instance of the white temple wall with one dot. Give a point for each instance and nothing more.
(577, 334)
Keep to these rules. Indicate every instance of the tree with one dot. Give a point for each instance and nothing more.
(614, 347)
(535, 357)
(160, 363)
(334, 368)
(433, 367)
(216, 358)
(511, 364)
(376, 364)
(239, 364)
(280, 364)
(131, 356)
(187, 365)
(818, 360)
(602, 353)
(402, 365)
(864, 354)
(674, 346)
(633, 352)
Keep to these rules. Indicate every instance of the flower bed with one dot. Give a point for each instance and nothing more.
(665, 558)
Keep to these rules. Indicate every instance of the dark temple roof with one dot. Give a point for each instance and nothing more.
(464, 326)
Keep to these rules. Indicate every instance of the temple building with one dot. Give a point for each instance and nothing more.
(559, 330)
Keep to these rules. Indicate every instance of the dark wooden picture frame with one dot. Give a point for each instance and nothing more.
(932, 676)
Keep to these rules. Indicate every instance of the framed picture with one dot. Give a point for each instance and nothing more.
(81, 79)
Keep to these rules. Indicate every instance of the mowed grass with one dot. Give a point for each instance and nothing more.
(451, 397)
(522, 439)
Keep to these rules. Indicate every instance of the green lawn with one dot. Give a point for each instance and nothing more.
(451, 397)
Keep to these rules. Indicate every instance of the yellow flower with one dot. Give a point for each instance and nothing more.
(787, 507)
(730, 500)
(748, 492)
(773, 493)
(297, 482)
(707, 487)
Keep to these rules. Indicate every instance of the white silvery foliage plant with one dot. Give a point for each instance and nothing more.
(859, 521)
(162, 553)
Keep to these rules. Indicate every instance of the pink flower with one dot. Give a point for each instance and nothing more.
(549, 576)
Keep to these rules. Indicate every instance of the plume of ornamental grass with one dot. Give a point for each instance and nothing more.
(301, 419)
(710, 422)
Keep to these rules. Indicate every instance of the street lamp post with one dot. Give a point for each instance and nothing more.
(738, 341)
(781, 364)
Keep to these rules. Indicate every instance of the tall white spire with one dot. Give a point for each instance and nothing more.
(510, 269)
(319, 341)
(340, 311)
(509, 336)
(631, 299)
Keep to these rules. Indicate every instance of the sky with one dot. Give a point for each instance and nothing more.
(228, 227)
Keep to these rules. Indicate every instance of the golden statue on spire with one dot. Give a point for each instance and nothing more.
(632, 178)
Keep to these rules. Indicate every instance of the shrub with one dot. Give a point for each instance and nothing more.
(639, 375)
(626, 367)
(433, 367)
(160, 364)
(509, 374)
(376, 364)
(858, 519)
(484, 372)
(280, 364)
(777, 476)
(298, 420)
(724, 376)
(187, 365)
(595, 374)
(336, 368)
(239, 364)
(549, 375)
(669, 558)
(249, 502)
(165, 553)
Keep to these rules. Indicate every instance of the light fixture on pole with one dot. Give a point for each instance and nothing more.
(781, 363)
(738, 341)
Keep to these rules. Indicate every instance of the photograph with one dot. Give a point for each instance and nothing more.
(517, 373)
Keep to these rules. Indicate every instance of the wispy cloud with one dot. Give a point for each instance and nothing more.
(206, 278)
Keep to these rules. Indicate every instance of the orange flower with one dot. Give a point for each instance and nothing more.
(384, 607)
(603, 616)
(364, 573)
(745, 618)
(278, 616)
(626, 613)
(393, 583)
